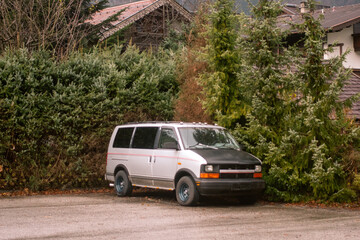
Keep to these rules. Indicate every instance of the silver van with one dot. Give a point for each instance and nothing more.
(191, 158)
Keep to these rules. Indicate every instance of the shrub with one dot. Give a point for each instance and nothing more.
(56, 117)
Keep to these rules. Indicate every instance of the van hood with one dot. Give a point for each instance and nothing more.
(226, 156)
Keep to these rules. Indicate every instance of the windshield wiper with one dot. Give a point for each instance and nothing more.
(227, 146)
(202, 146)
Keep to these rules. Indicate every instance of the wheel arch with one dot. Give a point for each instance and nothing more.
(184, 172)
(120, 167)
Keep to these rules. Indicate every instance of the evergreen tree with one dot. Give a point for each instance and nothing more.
(323, 133)
(221, 85)
(297, 123)
(265, 76)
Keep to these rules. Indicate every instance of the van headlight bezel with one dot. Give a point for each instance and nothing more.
(209, 168)
(210, 171)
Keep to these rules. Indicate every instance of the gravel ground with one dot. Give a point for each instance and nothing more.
(156, 215)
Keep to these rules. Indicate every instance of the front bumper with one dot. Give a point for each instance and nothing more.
(230, 187)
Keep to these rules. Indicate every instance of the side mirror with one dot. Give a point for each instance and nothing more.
(170, 145)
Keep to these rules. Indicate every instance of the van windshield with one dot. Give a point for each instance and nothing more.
(207, 138)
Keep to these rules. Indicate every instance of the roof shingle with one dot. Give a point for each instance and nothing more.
(351, 88)
(131, 9)
(133, 12)
(335, 18)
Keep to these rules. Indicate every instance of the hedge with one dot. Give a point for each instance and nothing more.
(56, 117)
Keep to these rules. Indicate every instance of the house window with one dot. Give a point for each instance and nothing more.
(356, 37)
(338, 48)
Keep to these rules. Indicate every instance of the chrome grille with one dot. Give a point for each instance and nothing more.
(236, 171)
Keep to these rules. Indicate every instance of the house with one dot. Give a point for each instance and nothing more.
(144, 23)
(351, 88)
(290, 9)
(342, 26)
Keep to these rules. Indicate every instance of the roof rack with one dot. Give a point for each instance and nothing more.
(168, 122)
(153, 122)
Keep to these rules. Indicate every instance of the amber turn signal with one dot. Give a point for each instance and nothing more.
(257, 175)
(209, 175)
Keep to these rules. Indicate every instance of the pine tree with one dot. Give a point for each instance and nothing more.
(323, 131)
(221, 85)
(266, 79)
(297, 123)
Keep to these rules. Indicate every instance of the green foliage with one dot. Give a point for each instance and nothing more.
(221, 85)
(294, 120)
(56, 117)
(356, 183)
(265, 77)
(175, 40)
(296, 123)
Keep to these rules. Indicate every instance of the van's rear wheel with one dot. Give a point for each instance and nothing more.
(186, 193)
(122, 184)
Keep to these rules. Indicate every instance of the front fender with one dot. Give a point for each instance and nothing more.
(184, 172)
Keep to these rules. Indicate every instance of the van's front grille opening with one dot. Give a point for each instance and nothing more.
(236, 171)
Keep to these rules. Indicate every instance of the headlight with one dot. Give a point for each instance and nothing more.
(258, 168)
(209, 168)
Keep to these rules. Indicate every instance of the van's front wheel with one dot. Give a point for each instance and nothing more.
(186, 193)
(122, 184)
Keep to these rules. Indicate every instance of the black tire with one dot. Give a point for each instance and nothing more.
(186, 192)
(122, 185)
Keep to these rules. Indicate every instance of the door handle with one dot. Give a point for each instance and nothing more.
(149, 160)
(154, 159)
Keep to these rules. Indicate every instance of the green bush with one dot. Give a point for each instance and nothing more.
(285, 102)
(56, 117)
(356, 183)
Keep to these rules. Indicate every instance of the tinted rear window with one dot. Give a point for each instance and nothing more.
(123, 138)
(144, 137)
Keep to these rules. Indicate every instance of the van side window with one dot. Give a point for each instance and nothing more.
(144, 137)
(123, 138)
(168, 139)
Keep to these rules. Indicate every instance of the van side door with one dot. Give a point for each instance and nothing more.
(141, 155)
(165, 159)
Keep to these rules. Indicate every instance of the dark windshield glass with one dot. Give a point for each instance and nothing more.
(207, 138)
